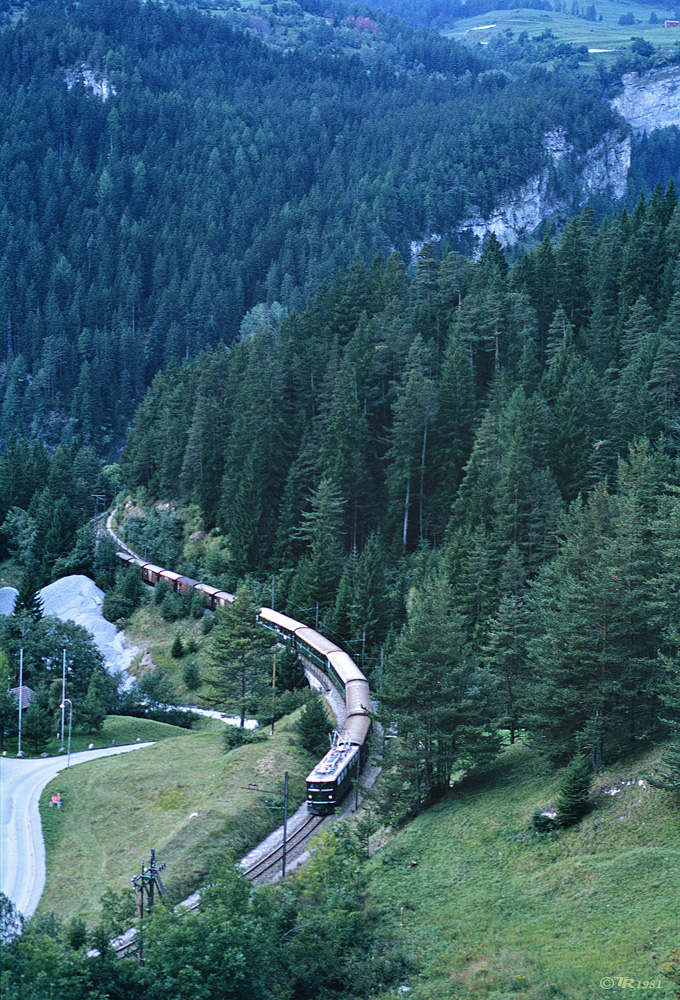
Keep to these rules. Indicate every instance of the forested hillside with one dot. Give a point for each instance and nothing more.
(162, 173)
(507, 442)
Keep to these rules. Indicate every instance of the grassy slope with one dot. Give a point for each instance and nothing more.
(117, 809)
(148, 630)
(490, 913)
(604, 34)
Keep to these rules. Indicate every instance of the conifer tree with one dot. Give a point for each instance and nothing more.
(313, 727)
(238, 655)
(436, 696)
(572, 802)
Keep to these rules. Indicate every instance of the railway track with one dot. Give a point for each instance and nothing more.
(268, 864)
(264, 869)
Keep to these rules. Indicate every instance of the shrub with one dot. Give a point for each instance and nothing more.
(197, 605)
(177, 649)
(115, 607)
(161, 591)
(284, 704)
(208, 622)
(542, 824)
(237, 736)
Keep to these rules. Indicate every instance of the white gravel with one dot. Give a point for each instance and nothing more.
(77, 599)
(7, 596)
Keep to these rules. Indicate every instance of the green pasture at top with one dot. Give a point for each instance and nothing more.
(602, 35)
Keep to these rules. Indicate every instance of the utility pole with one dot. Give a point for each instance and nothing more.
(253, 787)
(273, 689)
(144, 885)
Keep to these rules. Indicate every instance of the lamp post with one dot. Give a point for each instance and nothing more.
(70, 720)
(21, 696)
(63, 697)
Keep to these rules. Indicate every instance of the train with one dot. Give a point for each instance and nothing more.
(332, 777)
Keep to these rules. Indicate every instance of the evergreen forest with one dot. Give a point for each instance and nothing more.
(163, 173)
(486, 451)
(233, 303)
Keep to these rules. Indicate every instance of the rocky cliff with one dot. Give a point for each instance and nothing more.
(603, 170)
(650, 100)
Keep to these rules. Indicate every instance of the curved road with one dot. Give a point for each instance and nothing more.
(22, 849)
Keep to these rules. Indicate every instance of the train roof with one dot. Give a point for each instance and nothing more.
(317, 641)
(153, 569)
(169, 574)
(126, 557)
(334, 762)
(205, 588)
(344, 666)
(355, 729)
(279, 620)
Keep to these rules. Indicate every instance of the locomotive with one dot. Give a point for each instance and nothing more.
(332, 777)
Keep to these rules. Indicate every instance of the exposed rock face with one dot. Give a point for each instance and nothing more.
(650, 100)
(100, 88)
(603, 170)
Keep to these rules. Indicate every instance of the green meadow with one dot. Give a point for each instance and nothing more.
(183, 797)
(605, 35)
(490, 911)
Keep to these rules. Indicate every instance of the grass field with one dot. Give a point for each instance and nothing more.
(181, 797)
(603, 35)
(490, 912)
(148, 630)
(117, 730)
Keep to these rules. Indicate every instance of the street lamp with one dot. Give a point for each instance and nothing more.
(70, 720)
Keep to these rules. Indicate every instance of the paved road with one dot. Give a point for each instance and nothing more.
(22, 849)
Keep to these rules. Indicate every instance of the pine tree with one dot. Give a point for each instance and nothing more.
(92, 712)
(413, 410)
(313, 727)
(572, 802)
(238, 655)
(28, 599)
(436, 696)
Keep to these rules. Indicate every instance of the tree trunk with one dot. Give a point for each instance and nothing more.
(407, 500)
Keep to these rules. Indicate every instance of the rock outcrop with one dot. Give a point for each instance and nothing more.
(650, 100)
(603, 170)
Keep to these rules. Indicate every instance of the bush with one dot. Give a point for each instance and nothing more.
(177, 649)
(284, 704)
(192, 646)
(542, 824)
(161, 591)
(237, 736)
(290, 673)
(208, 622)
(157, 689)
(197, 605)
(115, 607)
